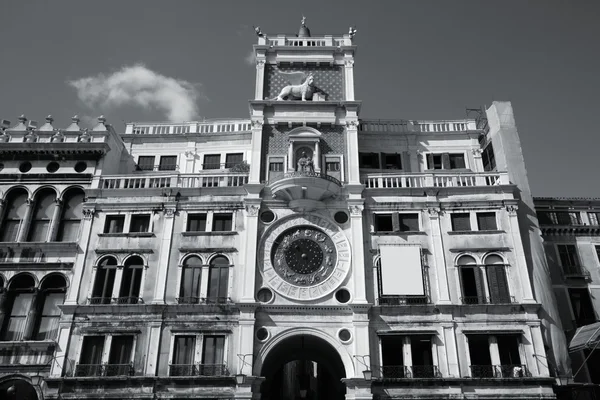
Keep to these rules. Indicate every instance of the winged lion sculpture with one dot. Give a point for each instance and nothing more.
(301, 87)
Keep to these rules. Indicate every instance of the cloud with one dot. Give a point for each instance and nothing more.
(250, 59)
(139, 86)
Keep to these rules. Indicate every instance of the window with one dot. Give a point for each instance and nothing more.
(421, 361)
(196, 223)
(114, 224)
(222, 222)
(383, 222)
(119, 358)
(598, 252)
(52, 296)
(368, 160)
(19, 304)
(332, 166)
(146, 163)
(471, 281)
(212, 161)
(168, 163)
(422, 357)
(486, 221)
(183, 356)
(559, 217)
(446, 161)
(496, 277)
(218, 286)
(504, 347)
(461, 222)
(481, 361)
(131, 281)
(408, 222)
(191, 274)
(391, 161)
(568, 255)
(276, 166)
(15, 212)
(90, 360)
(488, 158)
(72, 213)
(581, 304)
(139, 223)
(231, 160)
(594, 218)
(42, 215)
(105, 281)
(392, 350)
(212, 356)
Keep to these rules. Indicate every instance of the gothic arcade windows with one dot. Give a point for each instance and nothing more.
(16, 206)
(72, 214)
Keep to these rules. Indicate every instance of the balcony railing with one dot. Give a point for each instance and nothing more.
(510, 371)
(198, 370)
(203, 300)
(115, 300)
(410, 372)
(424, 180)
(575, 271)
(98, 370)
(306, 175)
(487, 300)
(213, 179)
(403, 300)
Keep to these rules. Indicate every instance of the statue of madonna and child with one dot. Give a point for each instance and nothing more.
(305, 164)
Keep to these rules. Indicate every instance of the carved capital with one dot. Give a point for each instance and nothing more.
(88, 213)
(512, 209)
(356, 210)
(170, 212)
(58, 202)
(352, 124)
(29, 202)
(476, 152)
(349, 63)
(257, 123)
(435, 212)
(260, 63)
(190, 154)
(252, 210)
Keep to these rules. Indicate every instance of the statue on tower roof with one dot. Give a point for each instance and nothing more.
(258, 31)
(304, 31)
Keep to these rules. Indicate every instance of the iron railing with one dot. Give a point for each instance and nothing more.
(198, 370)
(115, 300)
(403, 300)
(98, 370)
(410, 372)
(203, 300)
(575, 271)
(488, 300)
(509, 371)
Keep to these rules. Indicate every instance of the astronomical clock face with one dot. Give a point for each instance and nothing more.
(305, 258)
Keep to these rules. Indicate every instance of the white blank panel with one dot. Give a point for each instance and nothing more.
(401, 272)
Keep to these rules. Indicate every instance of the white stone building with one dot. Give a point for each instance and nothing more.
(303, 252)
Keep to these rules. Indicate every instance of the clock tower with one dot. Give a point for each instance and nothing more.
(305, 261)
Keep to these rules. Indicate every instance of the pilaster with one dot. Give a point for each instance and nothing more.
(358, 257)
(439, 256)
(80, 260)
(165, 253)
(522, 274)
(249, 267)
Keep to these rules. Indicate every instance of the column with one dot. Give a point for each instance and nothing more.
(495, 356)
(117, 285)
(55, 223)
(358, 256)
(79, 266)
(290, 166)
(24, 228)
(2, 203)
(478, 167)
(257, 127)
(165, 253)
(204, 282)
(249, 267)
(439, 256)
(3, 297)
(539, 353)
(260, 78)
(519, 272)
(246, 342)
(450, 366)
(349, 79)
(32, 315)
(361, 342)
(352, 148)
(317, 157)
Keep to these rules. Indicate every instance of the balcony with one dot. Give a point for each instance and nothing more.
(575, 272)
(403, 300)
(434, 179)
(204, 300)
(410, 372)
(213, 179)
(305, 191)
(114, 300)
(487, 300)
(102, 370)
(511, 371)
(198, 370)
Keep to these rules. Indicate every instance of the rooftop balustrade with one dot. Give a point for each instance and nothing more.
(202, 127)
(213, 179)
(434, 179)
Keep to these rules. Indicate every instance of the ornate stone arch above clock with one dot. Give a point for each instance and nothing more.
(304, 139)
(304, 257)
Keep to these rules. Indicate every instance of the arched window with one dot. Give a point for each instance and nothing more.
(71, 216)
(496, 277)
(471, 281)
(218, 274)
(131, 281)
(18, 305)
(105, 281)
(189, 291)
(42, 216)
(52, 295)
(16, 205)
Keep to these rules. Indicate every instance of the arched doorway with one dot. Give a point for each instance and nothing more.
(17, 389)
(303, 367)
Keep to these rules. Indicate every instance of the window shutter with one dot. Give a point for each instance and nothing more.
(406, 161)
(497, 283)
(380, 160)
(395, 222)
(479, 284)
(446, 161)
(430, 161)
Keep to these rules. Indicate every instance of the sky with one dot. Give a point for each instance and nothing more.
(188, 60)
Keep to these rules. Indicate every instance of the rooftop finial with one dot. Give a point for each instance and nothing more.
(259, 33)
(352, 31)
(304, 31)
(303, 20)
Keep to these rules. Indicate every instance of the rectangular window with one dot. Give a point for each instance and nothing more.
(422, 357)
(218, 283)
(48, 324)
(222, 222)
(510, 359)
(497, 284)
(408, 222)
(90, 360)
(10, 229)
(332, 166)
(434, 161)
(146, 163)
(392, 351)
(15, 326)
(598, 252)
(168, 163)
(581, 304)
(472, 285)
(212, 161)
(446, 161)
(368, 160)
(594, 218)
(461, 222)
(114, 224)
(139, 223)
(231, 160)
(391, 161)
(481, 361)
(486, 221)
(183, 356)
(119, 358)
(196, 223)
(568, 255)
(212, 356)
(383, 222)
(457, 161)
(276, 166)
(488, 158)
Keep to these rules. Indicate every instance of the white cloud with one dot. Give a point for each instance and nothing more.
(139, 86)
(250, 59)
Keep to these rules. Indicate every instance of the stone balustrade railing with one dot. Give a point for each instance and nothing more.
(222, 126)
(322, 41)
(424, 180)
(417, 126)
(212, 180)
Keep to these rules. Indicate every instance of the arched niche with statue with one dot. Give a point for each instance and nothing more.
(304, 152)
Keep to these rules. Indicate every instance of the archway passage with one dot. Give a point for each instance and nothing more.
(303, 367)
(17, 389)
